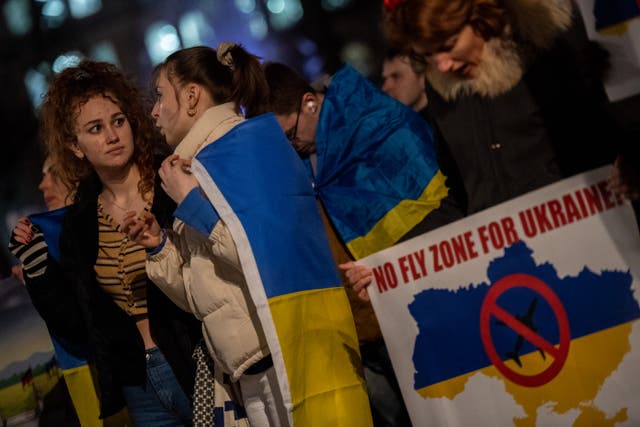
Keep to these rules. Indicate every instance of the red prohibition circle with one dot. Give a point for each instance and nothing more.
(490, 308)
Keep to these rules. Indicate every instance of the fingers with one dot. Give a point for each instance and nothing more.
(359, 274)
(150, 221)
(346, 265)
(364, 295)
(169, 161)
(620, 187)
(128, 221)
(359, 277)
(135, 229)
(23, 231)
(174, 162)
(362, 283)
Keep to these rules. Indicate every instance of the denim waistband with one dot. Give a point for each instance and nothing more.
(154, 356)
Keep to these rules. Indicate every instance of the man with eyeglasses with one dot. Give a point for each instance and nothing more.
(374, 169)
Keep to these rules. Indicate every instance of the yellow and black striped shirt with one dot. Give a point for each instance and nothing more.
(120, 267)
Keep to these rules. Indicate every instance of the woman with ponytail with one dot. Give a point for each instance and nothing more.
(247, 253)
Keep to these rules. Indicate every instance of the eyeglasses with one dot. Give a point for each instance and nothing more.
(292, 134)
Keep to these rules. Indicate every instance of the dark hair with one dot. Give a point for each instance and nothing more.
(418, 67)
(286, 87)
(431, 23)
(241, 82)
(68, 92)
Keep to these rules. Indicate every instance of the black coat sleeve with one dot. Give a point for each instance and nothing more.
(55, 300)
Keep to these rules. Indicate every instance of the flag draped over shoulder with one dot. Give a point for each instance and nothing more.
(50, 223)
(376, 174)
(68, 355)
(612, 13)
(260, 189)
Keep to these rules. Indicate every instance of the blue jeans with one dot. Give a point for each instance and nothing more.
(161, 401)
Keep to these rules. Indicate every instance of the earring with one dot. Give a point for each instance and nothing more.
(192, 112)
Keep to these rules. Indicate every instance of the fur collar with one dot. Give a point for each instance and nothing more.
(533, 27)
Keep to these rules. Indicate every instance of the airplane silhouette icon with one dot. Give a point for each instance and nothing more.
(527, 320)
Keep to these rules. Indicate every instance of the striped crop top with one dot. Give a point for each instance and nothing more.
(120, 266)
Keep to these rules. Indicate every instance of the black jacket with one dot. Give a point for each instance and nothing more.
(76, 309)
(553, 123)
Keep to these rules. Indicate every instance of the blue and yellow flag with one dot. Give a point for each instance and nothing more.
(376, 174)
(612, 14)
(259, 187)
(75, 368)
(50, 223)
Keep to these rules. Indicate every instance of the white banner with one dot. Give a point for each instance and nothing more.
(524, 314)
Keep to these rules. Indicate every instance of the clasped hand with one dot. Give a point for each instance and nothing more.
(144, 230)
(625, 179)
(359, 278)
(177, 182)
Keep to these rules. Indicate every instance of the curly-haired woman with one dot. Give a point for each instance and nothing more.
(94, 123)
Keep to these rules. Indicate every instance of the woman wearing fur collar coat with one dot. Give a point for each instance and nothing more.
(515, 98)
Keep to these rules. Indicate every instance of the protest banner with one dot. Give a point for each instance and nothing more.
(524, 314)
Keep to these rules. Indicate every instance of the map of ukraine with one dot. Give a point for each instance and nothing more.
(600, 310)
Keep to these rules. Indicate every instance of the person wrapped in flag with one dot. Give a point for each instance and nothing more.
(45, 227)
(372, 160)
(375, 174)
(95, 124)
(247, 253)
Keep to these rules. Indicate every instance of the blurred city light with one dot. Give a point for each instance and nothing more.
(332, 5)
(258, 26)
(313, 67)
(83, 8)
(36, 83)
(54, 13)
(17, 15)
(66, 60)
(306, 47)
(161, 40)
(105, 51)
(194, 29)
(246, 6)
(358, 55)
(284, 14)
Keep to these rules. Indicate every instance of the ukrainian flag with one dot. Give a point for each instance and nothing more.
(50, 223)
(376, 173)
(610, 14)
(259, 187)
(75, 368)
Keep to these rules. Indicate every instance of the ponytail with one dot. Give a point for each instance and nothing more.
(249, 88)
(229, 74)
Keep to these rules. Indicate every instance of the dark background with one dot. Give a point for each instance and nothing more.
(313, 36)
(318, 35)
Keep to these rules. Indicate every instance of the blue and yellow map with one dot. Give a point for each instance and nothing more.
(557, 341)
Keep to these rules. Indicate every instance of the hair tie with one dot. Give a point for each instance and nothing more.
(223, 52)
(392, 4)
